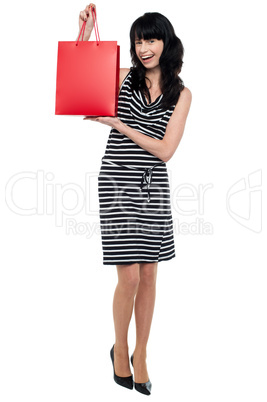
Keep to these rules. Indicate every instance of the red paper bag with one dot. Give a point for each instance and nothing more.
(87, 77)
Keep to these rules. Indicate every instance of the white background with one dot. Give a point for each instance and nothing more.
(208, 339)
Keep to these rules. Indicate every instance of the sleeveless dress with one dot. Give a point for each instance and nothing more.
(133, 187)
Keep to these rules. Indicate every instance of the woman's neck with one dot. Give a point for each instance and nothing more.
(154, 77)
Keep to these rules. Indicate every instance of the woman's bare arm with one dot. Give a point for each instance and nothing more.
(165, 148)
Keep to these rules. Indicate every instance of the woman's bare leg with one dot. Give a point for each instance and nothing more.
(144, 309)
(123, 302)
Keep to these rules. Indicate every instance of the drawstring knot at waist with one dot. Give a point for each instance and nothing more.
(146, 179)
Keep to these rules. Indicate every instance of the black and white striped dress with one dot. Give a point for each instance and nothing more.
(133, 187)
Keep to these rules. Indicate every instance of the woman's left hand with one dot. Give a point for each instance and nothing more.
(113, 122)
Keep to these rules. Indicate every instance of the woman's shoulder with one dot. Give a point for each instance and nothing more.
(186, 94)
(123, 74)
(184, 102)
(185, 98)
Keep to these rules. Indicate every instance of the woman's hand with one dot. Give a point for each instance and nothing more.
(113, 122)
(86, 15)
(164, 148)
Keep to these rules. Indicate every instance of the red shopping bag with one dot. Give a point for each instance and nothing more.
(87, 77)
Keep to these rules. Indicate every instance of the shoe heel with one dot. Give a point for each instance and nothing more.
(126, 382)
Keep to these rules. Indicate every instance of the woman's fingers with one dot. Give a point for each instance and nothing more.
(87, 12)
(92, 5)
(87, 16)
(88, 9)
(83, 15)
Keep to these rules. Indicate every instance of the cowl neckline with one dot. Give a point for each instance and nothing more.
(145, 102)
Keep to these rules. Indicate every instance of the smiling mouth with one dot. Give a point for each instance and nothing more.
(146, 58)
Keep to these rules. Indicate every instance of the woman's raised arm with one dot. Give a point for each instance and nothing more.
(86, 15)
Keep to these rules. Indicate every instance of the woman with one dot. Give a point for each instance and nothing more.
(135, 211)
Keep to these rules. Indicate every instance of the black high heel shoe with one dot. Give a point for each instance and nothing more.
(126, 382)
(144, 388)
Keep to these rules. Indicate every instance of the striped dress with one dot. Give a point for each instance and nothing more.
(133, 187)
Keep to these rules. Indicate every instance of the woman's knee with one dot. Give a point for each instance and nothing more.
(129, 277)
(148, 273)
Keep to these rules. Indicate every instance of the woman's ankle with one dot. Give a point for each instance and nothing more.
(140, 352)
(121, 348)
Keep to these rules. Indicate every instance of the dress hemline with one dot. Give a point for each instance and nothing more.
(138, 262)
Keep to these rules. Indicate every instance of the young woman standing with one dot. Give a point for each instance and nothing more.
(133, 185)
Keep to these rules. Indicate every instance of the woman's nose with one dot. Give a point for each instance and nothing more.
(143, 47)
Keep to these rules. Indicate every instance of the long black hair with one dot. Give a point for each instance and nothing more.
(156, 26)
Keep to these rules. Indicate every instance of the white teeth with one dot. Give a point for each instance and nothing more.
(147, 57)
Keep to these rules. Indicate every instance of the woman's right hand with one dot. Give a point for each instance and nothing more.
(87, 15)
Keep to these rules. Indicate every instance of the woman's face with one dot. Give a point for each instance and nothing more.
(149, 51)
